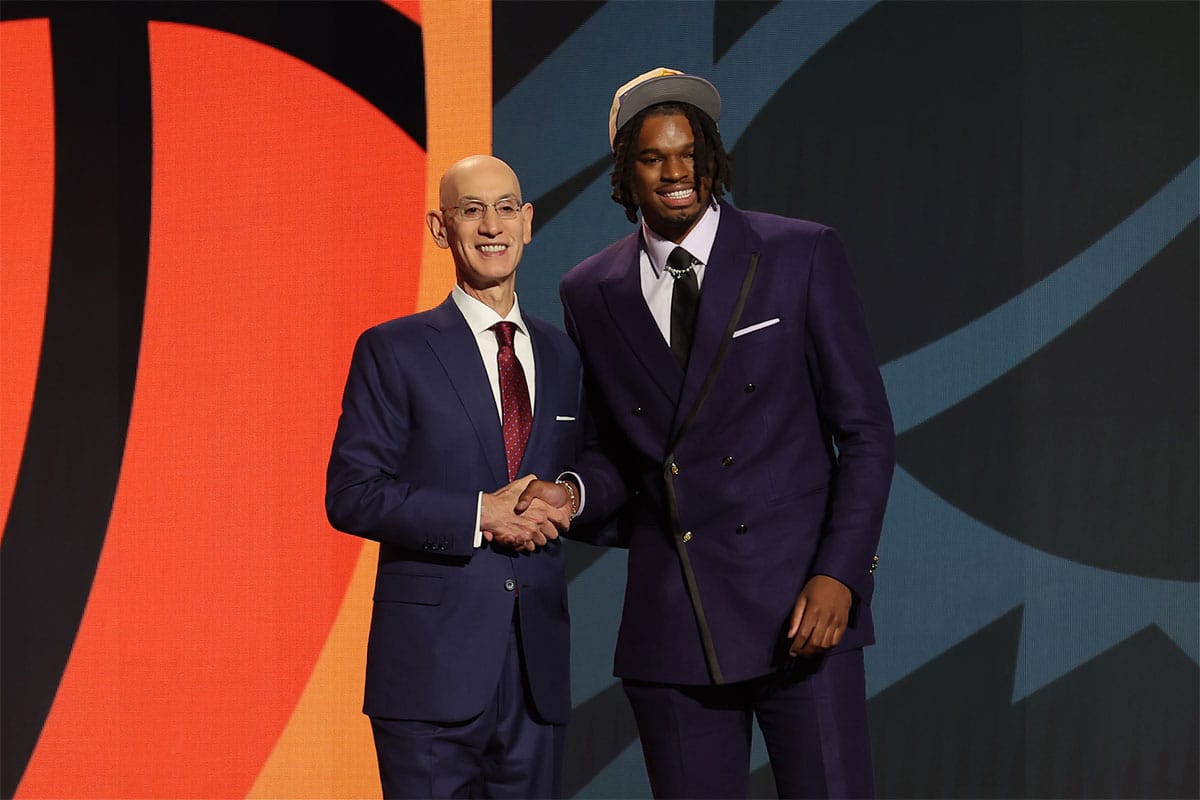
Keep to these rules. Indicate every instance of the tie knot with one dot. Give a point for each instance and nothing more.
(504, 333)
(679, 261)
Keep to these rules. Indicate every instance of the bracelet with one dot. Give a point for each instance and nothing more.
(570, 487)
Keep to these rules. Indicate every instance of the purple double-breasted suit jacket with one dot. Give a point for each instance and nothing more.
(768, 461)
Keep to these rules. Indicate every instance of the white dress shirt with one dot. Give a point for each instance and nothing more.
(657, 283)
(480, 318)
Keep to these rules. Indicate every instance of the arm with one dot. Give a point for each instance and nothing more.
(367, 491)
(855, 415)
(601, 489)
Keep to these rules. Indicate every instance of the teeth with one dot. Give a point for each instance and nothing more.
(678, 195)
(493, 248)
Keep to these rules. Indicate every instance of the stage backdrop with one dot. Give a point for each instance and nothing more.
(202, 205)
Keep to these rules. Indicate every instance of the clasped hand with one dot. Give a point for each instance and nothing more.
(545, 511)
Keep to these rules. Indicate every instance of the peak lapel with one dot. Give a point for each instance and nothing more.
(632, 320)
(454, 345)
(727, 265)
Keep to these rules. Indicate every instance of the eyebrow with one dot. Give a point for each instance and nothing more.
(659, 151)
(470, 198)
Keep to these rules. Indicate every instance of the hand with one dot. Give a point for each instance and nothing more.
(500, 522)
(820, 616)
(552, 498)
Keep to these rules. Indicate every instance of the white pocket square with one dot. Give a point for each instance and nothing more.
(564, 419)
(758, 326)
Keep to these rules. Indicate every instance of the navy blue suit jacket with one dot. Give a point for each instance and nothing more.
(764, 499)
(418, 439)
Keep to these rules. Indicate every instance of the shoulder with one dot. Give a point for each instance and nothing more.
(773, 228)
(410, 327)
(609, 262)
(549, 334)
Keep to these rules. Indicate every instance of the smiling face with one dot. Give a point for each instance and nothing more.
(670, 197)
(485, 251)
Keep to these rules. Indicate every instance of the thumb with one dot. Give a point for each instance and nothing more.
(525, 499)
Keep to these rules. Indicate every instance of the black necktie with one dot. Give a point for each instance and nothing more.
(685, 299)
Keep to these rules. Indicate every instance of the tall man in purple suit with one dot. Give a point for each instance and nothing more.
(467, 659)
(745, 430)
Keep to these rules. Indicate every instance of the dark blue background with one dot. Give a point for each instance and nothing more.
(1018, 187)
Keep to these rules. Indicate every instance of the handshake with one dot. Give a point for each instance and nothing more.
(526, 513)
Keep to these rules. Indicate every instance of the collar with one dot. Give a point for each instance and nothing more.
(698, 242)
(480, 316)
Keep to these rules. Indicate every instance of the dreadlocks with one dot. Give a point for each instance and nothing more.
(710, 159)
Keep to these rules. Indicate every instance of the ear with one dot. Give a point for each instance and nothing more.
(527, 219)
(437, 227)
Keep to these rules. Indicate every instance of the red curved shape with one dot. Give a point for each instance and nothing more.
(26, 228)
(287, 216)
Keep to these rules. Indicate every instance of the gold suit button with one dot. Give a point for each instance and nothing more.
(750, 387)
(674, 468)
(726, 461)
(637, 411)
(687, 536)
(741, 529)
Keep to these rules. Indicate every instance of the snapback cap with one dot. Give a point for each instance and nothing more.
(661, 85)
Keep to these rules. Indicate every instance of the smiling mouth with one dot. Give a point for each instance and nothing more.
(492, 249)
(679, 194)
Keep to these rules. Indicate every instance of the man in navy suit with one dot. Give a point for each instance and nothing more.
(467, 660)
(736, 392)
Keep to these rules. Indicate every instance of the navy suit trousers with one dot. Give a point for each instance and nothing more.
(505, 752)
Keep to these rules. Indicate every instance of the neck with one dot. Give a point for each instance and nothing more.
(499, 297)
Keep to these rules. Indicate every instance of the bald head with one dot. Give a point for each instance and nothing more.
(473, 171)
(485, 226)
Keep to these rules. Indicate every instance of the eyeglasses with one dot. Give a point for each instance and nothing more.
(474, 211)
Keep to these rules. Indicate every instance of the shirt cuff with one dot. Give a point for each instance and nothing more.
(478, 514)
(574, 476)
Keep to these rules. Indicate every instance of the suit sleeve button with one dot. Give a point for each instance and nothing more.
(750, 387)
(637, 411)
(674, 468)
(509, 585)
(687, 536)
(741, 529)
(726, 461)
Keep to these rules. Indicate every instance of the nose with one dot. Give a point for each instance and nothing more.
(490, 224)
(674, 169)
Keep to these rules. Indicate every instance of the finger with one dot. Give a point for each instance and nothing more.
(797, 615)
(799, 646)
(488, 535)
(835, 636)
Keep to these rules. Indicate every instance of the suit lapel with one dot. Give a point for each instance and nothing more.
(545, 396)
(727, 265)
(631, 318)
(454, 345)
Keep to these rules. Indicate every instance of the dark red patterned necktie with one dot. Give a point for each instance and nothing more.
(517, 419)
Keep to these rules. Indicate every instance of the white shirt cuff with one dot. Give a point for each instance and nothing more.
(478, 514)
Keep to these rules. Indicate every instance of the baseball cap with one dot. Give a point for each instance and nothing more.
(661, 85)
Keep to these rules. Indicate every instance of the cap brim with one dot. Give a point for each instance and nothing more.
(666, 89)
